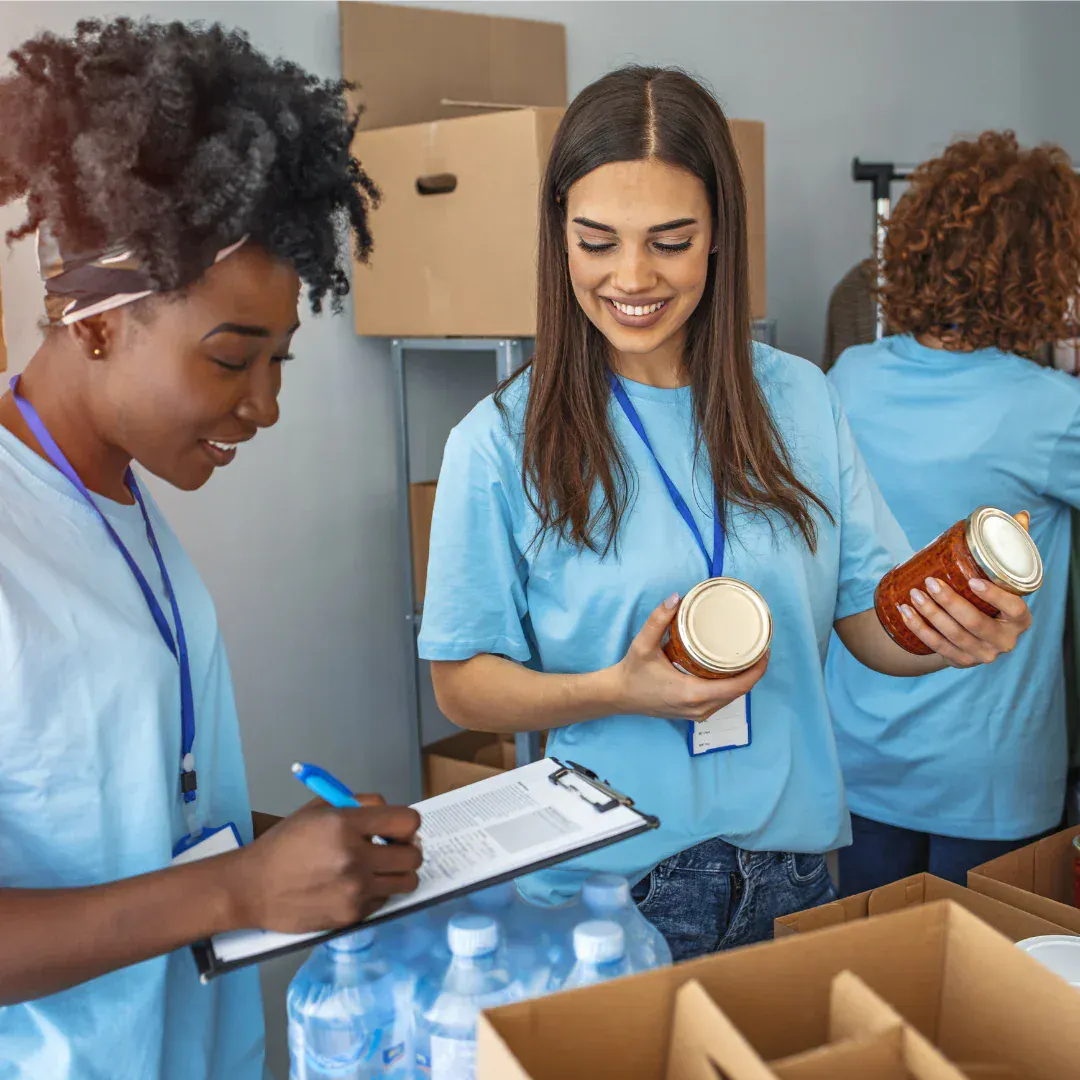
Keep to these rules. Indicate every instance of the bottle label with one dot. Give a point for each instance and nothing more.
(393, 1054)
(452, 1059)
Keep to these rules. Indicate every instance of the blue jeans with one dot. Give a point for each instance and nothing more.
(715, 896)
(881, 853)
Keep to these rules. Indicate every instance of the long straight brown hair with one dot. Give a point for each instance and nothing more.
(633, 114)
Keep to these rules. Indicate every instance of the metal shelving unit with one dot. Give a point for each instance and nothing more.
(508, 354)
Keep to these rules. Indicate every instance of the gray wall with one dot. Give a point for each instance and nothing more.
(297, 539)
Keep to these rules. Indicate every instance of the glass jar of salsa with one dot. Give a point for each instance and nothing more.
(990, 545)
(721, 628)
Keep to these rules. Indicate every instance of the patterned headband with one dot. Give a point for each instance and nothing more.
(79, 284)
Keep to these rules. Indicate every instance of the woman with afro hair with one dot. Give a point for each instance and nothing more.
(981, 272)
(181, 187)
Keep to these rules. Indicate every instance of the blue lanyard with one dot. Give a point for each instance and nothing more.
(715, 562)
(177, 647)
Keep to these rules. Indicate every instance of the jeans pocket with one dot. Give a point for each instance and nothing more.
(805, 869)
(651, 885)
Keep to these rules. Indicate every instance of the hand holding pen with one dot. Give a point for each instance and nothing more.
(326, 866)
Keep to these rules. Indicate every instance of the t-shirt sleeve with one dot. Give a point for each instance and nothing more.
(474, 600)
(871, 540)
(1063, 479)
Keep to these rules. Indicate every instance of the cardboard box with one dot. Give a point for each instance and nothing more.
(414, 64)
(456, 232)
(959, 983)
(441, 267)
(463, 759)
(1037, 878)
(911, 892)
(749, 137)
(421, 507)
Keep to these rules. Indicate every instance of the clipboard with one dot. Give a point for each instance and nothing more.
(552, 795)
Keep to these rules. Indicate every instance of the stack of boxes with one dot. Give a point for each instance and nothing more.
(459, 114)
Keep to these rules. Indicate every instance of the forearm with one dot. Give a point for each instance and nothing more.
(57, 938)
(491, 693)
(866, 639)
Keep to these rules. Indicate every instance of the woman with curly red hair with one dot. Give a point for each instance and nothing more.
(981, 269)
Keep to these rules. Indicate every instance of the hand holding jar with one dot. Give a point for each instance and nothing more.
(962, 596)
(651, 686)
(692, 657)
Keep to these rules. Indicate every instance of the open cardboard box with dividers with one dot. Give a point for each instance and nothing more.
(985, 1006)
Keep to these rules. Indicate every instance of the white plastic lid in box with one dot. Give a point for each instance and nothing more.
(1059, 953)
(599, 942)
(472, 935)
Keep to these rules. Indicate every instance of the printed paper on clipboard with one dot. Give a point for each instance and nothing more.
(498, 829)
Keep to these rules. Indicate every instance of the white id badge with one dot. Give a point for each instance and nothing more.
(217, 841)
(727, 729)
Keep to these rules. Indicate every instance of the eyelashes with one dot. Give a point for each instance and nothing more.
(664, 249)
(243, 365)
(596, 249)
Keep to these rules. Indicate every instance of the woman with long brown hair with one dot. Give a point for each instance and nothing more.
(648, 445)
(982, 271)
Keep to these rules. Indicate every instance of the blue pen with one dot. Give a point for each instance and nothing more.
(329, 788)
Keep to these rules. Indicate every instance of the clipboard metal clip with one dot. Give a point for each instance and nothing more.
(572, 768)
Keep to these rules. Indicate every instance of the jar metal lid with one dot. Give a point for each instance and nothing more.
(1004, 550)
(725, 625)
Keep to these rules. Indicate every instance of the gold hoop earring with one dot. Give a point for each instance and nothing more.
(97, 352)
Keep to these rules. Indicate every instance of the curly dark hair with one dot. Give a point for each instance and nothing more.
(173, 139)
(983, 250)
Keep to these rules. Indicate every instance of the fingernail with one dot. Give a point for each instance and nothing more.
(933, 585)
(671, 601)
(978, 584)
(918, 596)
(907, 612)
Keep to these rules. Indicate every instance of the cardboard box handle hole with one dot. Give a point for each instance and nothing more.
(439, 184)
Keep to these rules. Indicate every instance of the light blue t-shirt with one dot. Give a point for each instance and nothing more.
(491, 590)
(89, 761)
(979, 753)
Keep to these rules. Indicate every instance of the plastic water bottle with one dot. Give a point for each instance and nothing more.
(349, 1015)
(449, 1001)
(534, 938)
(607, 896)
(600, 953)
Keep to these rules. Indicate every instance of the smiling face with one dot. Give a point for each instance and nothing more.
(197, 374)
(638, 237)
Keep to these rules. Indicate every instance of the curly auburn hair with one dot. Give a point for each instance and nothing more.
(172, 139)
(983, 250)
